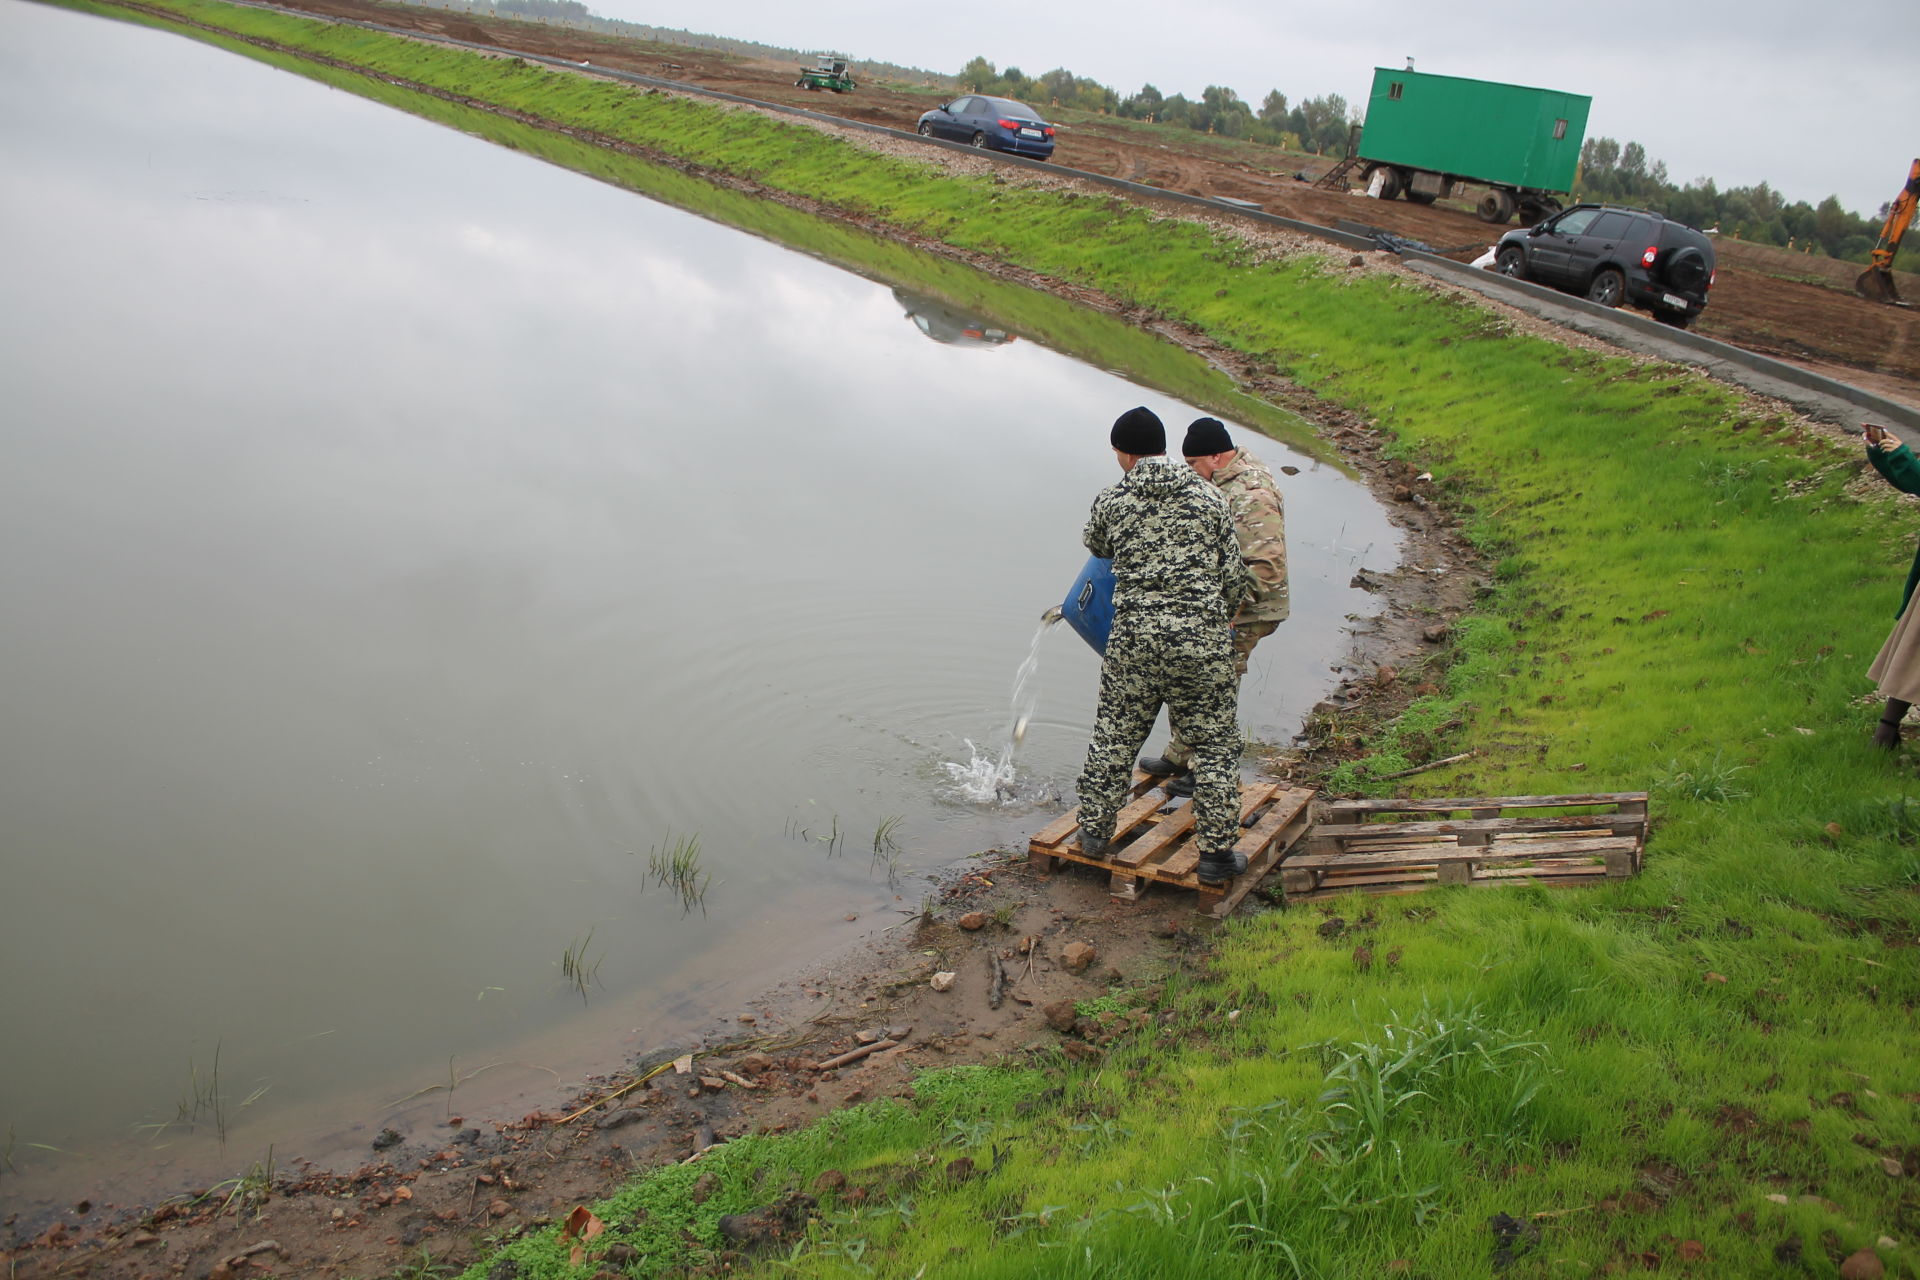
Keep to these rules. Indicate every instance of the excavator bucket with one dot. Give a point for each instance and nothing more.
(1877, 286)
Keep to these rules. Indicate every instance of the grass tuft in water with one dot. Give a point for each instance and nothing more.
(676, 864)
(575, 968)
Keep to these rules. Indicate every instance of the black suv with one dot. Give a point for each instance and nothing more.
(1615, 256)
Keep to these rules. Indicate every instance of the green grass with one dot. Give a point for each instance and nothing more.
(1686, 595)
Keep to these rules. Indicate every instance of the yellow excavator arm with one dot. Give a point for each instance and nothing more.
(1876, 282)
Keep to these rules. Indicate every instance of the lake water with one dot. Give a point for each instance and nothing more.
(402, 539)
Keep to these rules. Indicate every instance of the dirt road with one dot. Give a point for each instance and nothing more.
(1789, 306)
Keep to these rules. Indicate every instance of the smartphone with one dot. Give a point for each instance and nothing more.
(1875, 434)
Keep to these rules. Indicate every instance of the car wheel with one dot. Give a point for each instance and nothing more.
(1511, 261)
(926, 130)
(1609, 287)
(978, 140)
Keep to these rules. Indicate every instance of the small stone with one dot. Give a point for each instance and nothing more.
(748, 1019)
(852, 916)
(149, 1237)
(1777, 1198)
(941, 981)
(1076, 956)
(403, 1193)
(1435, 634)
(1863, 1264)
(754, 1064)
(499, 1208)
(1060, 1015)
(1892, 1168)
(1886, 1242)
(387, 1138)
(338, 1214)
(973, 920)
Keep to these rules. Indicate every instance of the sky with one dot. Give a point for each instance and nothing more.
(1813, 101)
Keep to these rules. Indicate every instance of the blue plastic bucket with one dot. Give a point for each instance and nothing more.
(1088, 607)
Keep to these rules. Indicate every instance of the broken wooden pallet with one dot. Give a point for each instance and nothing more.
(1149, 844)
(1402, 846)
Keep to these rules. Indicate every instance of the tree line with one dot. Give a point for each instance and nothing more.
(1759, 214)
(1318, 125)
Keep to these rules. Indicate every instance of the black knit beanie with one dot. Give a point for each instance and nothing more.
(1138, 431)
(1206, 437)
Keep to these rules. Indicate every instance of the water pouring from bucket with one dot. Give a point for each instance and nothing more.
(1088, 609)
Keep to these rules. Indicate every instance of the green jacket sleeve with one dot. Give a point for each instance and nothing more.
(1899, 467)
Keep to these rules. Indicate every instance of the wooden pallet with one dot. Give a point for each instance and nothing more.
(1402, 846)
(1150, 845)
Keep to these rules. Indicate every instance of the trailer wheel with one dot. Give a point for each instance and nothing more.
(1422, 197)
(1496, 207)
(1388, 178)
(1609, 287)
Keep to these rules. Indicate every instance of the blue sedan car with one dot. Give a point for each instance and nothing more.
(1000, 123)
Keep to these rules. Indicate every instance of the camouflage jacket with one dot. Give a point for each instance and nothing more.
(1260, 523)
(1177, 571)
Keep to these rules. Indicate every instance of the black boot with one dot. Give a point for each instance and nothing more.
(1094, 846)
(1886, 734)
(1161, 767)
(1218, 868)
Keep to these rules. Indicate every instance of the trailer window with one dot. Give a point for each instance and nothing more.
(1393, 90)
(1559, 130)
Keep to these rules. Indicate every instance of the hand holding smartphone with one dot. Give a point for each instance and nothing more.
(1878, 437)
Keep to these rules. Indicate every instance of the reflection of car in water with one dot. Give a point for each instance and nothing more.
(943, 324)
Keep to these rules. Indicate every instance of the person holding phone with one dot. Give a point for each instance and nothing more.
(1897, 668)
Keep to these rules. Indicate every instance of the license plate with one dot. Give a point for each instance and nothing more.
(1678, 304)
(1029, 133)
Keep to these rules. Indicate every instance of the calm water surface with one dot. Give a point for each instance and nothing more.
(400, 539)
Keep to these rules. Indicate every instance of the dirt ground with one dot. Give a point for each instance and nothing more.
(1765, 300)
(445, 1188)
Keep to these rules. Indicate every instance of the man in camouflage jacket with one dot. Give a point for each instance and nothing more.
(1178, 576)
(1260, 524)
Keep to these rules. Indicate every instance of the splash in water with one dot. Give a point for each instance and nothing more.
(989, 779)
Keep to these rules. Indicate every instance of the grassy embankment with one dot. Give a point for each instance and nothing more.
(1687, 594)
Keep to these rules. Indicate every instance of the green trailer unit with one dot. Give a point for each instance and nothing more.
(1426, 134)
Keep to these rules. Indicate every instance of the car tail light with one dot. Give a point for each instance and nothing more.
(1047, 129)
(1646, 259)
(1008, 124)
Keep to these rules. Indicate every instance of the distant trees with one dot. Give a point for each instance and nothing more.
(1059, 87)
(1609, 171)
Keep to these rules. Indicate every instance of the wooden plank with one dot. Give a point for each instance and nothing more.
(1270, 855)
(1175, 827)
(1460, 804)
(1487, 826)
(1289, 805)
(1597, 847)
(1067, 823)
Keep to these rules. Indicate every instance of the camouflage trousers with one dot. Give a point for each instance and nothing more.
(1245, 636)
(1198, 690)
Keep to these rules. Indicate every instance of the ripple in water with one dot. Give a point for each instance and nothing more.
(993, 779)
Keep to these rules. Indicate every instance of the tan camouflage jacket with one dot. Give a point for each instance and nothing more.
(1260, 523)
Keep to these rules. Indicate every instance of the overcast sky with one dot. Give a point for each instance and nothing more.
(1817, 100)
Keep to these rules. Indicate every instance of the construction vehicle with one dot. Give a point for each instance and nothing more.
(829, 71)
(1876, 282)
(1426, 134)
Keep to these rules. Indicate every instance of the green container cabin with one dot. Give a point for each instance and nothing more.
(1425, 134)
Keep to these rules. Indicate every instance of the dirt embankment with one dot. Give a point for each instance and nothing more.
(1787, 305)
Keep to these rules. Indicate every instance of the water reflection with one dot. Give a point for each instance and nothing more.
(944, 323)
(404, 538)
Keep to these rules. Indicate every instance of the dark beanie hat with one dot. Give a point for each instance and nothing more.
(1206, 437)
(1138, 431)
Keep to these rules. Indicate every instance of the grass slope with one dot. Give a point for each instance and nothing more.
(1688, 592)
